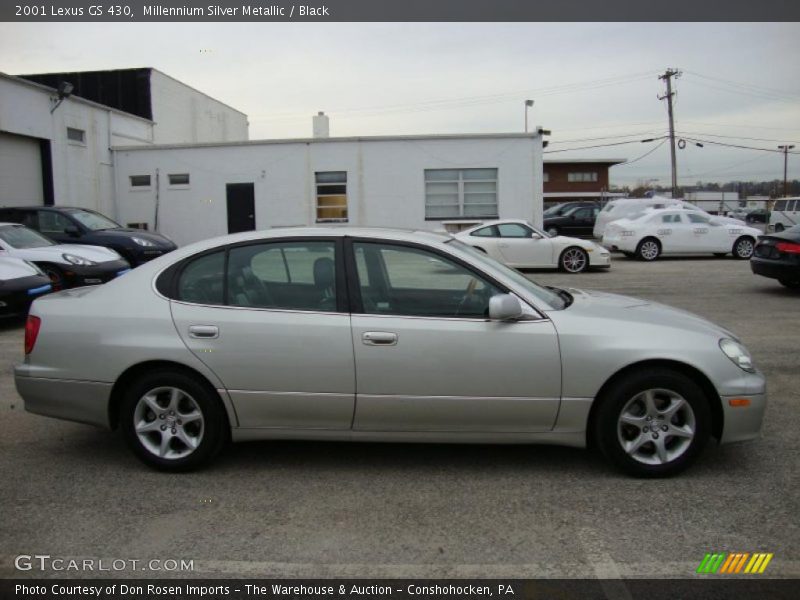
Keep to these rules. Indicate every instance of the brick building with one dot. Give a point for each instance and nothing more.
(578, 179)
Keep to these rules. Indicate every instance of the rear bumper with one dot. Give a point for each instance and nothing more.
(775, 269)
(743, 423)
(81, 401)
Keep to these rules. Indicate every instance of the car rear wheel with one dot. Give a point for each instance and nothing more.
(172, 421)
(648, 249)
(743, 248)
(574, 260)
(653, 423)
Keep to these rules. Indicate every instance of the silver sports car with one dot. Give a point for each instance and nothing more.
(380, 335)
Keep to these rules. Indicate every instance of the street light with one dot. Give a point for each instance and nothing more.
(528, 104)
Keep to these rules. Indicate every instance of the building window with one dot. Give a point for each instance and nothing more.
(76, 135)
(178, 178)
(140, 181)
(581, 177)
(457, 193)
(331, 196)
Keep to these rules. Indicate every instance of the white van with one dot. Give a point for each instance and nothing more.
(625, 207)
(785, 213)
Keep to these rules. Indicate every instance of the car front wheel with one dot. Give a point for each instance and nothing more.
(574, 260)
(172, 421)
(653, 423)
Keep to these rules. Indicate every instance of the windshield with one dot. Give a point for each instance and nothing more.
(21, 238)
(550, 298)
(93, 220)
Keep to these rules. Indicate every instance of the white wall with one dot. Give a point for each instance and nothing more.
(185, 115)
(385, 180)
(82, 173)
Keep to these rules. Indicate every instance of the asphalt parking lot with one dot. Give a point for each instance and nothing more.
(297, 509)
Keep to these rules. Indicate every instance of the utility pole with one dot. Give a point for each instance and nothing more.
(667, 77)
(785, 149)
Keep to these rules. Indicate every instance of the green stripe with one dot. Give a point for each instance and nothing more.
(702, 567)
(719, 562)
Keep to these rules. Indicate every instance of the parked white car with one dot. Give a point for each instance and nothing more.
(66, 265)
(785, 214)
(521, 245)
(630, 207)
(676, 231)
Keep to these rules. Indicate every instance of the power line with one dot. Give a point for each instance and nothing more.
(610, 137)
(648, 153)
(760, 89)
(733, 137)
(601, 145)
(735, 145)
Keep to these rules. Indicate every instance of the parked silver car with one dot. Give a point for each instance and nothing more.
(379, 335)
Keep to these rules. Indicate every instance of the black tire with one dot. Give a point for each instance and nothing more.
(644, 249)
(573, 260)
(214, 429)
(56, 276)
(609, 433)
(743, 248)
(778, 227)
(791, 284)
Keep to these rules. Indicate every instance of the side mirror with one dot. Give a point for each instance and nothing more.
(504, 307)
(72, 231)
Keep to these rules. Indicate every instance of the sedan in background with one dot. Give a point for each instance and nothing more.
(66, 265)
(575, 221)
(777, 255)
(377, 335)
(21, 282)
(660, 232)
(523, 246)
(67, 225)
(759, 215)
(556, 210)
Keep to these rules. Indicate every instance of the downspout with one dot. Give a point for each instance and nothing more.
(158, 191)
(112, 152)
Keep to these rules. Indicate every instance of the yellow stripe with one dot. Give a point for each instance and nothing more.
(750, 564)
(766, 562)
(741, 562)
(724, 568)
(757, 564)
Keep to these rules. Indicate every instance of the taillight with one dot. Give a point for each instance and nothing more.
(31, 332)
(788, 247)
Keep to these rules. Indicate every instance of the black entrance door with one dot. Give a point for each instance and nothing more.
(241, 207)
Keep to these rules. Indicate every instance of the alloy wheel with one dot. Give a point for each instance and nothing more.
(574, 260)
(744, 248)
(649, 250)
(656, 426)
(168, 423)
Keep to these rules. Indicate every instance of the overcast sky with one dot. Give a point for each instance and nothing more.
(588, 81)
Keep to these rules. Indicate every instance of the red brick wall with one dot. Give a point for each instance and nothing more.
(558, 177)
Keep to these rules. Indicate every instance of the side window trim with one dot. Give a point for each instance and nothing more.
(356, 302)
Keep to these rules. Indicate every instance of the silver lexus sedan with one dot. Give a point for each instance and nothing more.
(380, 335)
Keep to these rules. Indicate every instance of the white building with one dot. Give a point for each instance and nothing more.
(193, 192)
(56, 148)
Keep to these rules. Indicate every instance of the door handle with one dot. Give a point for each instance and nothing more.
(379, 338)
(203, 331)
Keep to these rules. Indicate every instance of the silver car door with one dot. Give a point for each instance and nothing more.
(281, 341)
(428, 358)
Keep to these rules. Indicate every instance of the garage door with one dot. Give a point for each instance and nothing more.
(20, 171)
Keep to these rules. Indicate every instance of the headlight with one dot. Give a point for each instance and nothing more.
(738, 354)
(143, 242)
(77, 260)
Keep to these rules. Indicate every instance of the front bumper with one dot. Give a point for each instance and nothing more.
(742, 423)
(599, 259)
(143, 255)
(81, 401)
(76, 275)
(16, 295)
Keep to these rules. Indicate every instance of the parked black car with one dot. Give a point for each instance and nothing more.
(556, 210)
(577, 221)
(21, 282)
(67, 225)
(758, 215)
(777, 255)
